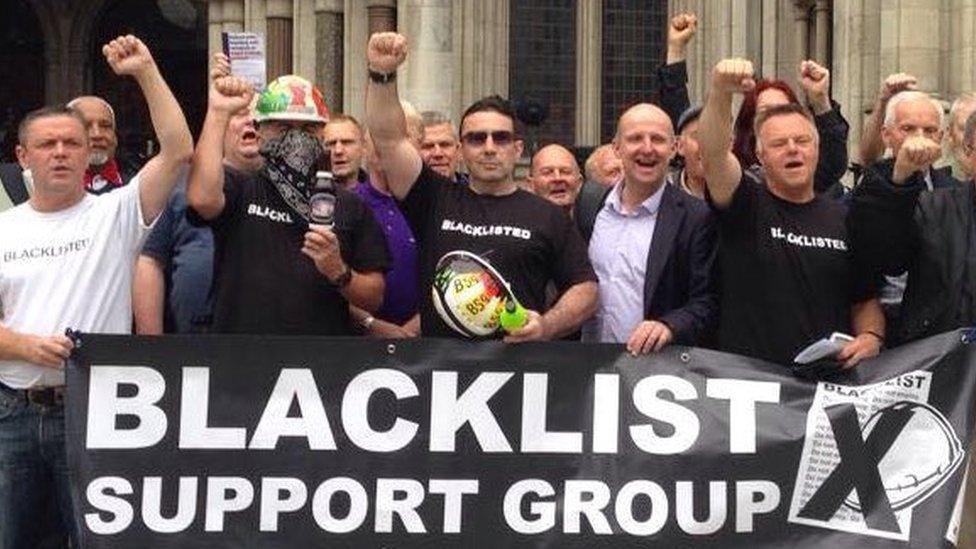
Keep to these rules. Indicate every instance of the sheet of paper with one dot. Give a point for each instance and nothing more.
(247, 57)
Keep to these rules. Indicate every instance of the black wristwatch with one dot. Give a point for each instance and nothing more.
(380, 77)
(344, 279)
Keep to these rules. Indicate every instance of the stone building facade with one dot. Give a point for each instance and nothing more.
(581, 59)
(460, 49)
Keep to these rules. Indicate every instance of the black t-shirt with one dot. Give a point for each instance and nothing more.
(263, 283)
(527, 239)
(787, 273)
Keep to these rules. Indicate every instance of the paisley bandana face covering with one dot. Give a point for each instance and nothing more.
(292, 159)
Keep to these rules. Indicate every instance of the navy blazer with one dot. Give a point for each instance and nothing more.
(680, 283)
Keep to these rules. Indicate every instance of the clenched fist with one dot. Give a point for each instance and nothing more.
(815, 81)
(682, 29)
(733, 76)
(896, 83)
(386, 51)
(128, 55)
(917, 153)
(229, 94)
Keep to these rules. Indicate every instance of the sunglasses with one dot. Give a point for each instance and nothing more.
(478, 139)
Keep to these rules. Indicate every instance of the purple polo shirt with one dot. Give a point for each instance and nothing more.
(400, 295)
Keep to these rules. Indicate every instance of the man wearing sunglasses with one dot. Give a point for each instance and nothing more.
(528, 240)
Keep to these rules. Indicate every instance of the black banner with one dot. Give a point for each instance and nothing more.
(227, 441)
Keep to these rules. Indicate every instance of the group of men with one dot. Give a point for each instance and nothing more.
(223, 236)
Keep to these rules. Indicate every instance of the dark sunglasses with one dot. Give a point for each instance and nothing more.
(478, 139)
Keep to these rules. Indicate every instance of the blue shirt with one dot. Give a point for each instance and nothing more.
(618, 251)
(401, 291)
(186, 253)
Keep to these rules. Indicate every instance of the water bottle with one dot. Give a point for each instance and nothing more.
(512, 316)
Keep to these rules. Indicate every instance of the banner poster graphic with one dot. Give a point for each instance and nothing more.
(233, 441)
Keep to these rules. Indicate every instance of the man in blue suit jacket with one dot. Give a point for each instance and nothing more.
(652, 246)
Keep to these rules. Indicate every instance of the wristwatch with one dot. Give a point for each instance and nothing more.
(381, 77)
(344, 279)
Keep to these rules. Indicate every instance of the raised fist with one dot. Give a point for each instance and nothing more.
(682, 29)
(733, 75)
(128, 55)
(814, 78)
(917, 153)
(386, 51)
(896, 83)
(230, 94)
(219, 66)
(815, 81)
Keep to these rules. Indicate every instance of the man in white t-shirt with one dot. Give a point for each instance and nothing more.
(66, 261)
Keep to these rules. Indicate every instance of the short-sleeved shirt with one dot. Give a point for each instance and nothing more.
(71, 268)
(400, 291)
(787, 273)
(186, 253)
(263, 283)
(527, 239)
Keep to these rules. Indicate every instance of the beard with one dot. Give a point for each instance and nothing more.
(97, 158)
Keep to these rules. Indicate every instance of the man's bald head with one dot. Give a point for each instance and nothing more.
(645, 144)
(555, 175)
(643, 112)
(603, 166)
(552, 151)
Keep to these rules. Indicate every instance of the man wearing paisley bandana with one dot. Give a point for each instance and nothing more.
(274, 270)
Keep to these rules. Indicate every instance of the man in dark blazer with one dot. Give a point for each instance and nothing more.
(652, 246)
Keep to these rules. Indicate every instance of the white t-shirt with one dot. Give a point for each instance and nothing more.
(68, 269)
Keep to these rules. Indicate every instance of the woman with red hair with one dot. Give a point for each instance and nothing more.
(831, 126)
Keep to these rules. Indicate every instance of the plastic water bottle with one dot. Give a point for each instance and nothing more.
(512, 316)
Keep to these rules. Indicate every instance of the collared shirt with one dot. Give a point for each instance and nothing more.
(400, 292)
(618, 251)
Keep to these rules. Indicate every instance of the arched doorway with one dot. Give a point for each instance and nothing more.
(21, 70)
(176, 33)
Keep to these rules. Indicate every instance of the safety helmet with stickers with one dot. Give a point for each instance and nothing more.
(291, 98)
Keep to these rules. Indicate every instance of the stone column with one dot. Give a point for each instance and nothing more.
(484, 49)
(233, 16)
(429, 78)
(960, 51)
(256, 17)
(356, 35)
(215, 21)
(801, 29)
(328, 46)
(589, 53)
(279, 38)
(304, 39)
(910, 42)
(382, 15)
(821, 16)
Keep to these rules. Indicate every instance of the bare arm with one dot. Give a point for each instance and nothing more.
(148, 296)
(128, 55)
(364, 290)
(868, 325)
(575, 306)
(205, 185)
(384, 116)
(722, 169)
(872, 146)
